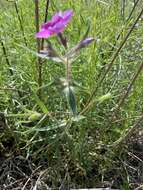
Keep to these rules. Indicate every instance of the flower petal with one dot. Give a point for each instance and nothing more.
(43, 34)
(46, 25)
(55, 25)
(58, 27)
(67, 15)
(57, 17)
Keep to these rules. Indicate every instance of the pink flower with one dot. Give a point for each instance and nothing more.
(56, 25)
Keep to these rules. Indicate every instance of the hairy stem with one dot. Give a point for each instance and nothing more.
(68, 72)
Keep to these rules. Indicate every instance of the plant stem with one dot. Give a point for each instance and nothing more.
(132, 11)
(39, 63)
(129, 17)
(6, 57)
(68, 72)
(20, 22)
(45, 20)
(88, 104)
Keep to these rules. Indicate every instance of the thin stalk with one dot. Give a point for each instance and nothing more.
(88, 104)
(132, 11)
(45, 20)
(20, 22)
(134, 78)
(6, 57)
(129, 17)
(39, 61)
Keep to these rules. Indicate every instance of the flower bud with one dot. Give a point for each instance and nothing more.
(85, 42)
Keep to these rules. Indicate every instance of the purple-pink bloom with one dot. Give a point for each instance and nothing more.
(56, 25)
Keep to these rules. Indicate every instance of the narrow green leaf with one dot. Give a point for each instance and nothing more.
(71, 99)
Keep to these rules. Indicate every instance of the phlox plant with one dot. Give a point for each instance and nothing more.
(55, 27)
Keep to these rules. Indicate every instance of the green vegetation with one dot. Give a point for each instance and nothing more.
(36, 123)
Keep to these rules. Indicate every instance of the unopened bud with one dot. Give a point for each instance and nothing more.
(85, 42)
(80, 45)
